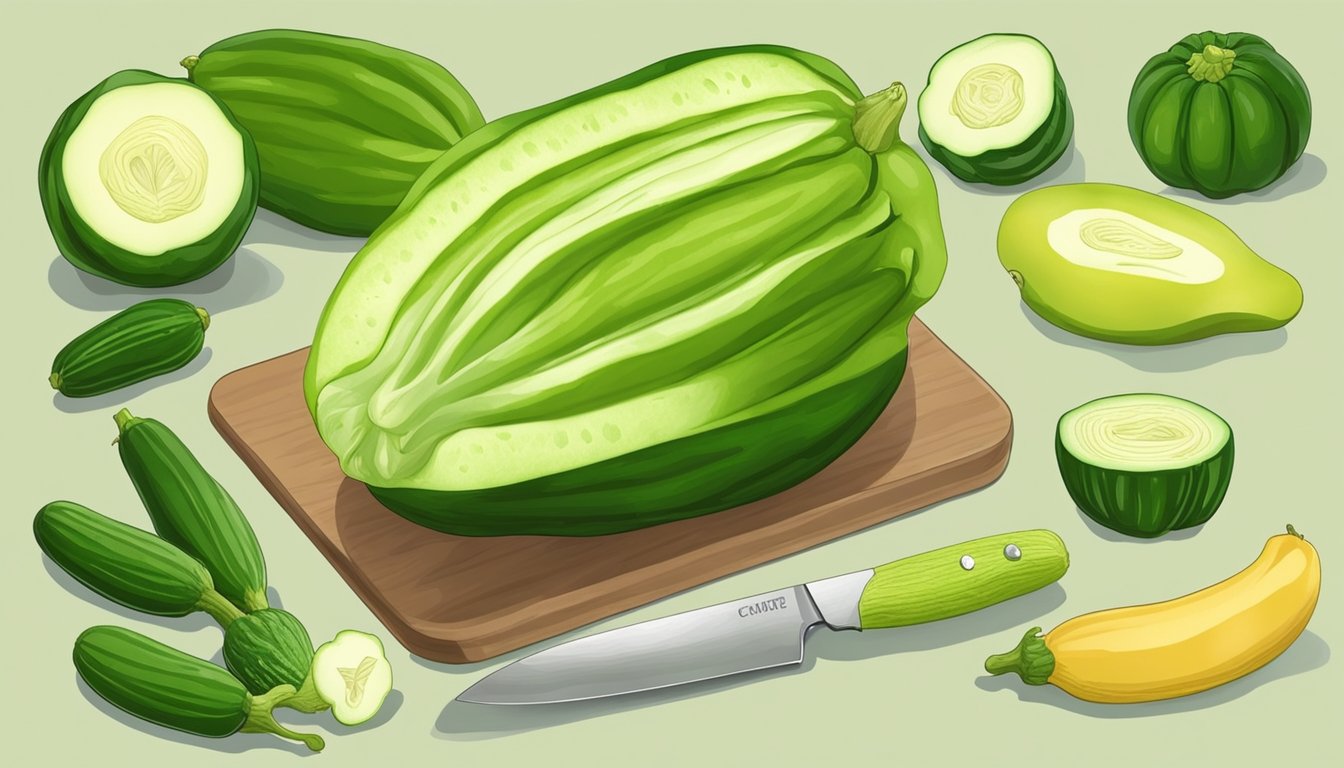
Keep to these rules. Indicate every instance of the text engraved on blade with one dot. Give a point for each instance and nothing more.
(765, 606)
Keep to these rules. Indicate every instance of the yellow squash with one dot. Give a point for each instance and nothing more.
(1181, 646)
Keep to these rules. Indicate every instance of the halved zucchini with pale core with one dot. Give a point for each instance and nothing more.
(995, 110)
(1145, 464)
(148, 180)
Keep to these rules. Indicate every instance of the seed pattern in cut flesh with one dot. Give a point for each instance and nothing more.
(988, 96)
(155, 169)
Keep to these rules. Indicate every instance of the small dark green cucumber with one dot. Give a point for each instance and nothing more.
(140, 342)
(162, 685)
(268, 648)
(190, 509)
(126, 565)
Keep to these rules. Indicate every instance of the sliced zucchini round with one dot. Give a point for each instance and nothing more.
(148, 181)
(995, 110)
(1145, 464)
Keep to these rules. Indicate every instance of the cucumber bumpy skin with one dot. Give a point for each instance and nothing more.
(162, 685)
(138, 343)
(192, 510)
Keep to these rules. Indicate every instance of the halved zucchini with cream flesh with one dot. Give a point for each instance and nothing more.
(148, 180)
(1145, 464)
(995, 110)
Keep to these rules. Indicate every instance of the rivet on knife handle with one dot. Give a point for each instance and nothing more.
(961, 578)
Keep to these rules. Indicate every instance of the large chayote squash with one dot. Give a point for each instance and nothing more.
(678, 292)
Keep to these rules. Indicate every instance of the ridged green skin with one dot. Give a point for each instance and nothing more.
(934, 585)
(138, 343)
(89, 251)
(1147, 504)
(192, 510)
(122, 563)
(802, 374)
(268, 648)
(1013, 165)
(1221, 138)
(160, 684)
(343, 126)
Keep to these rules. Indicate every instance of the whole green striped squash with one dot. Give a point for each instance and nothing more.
(1220, 114)
(343, 126)
(671, 294)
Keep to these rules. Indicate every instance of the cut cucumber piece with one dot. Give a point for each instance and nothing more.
(995, 110)
(352, 674)
(1145, 464)
(148, 180)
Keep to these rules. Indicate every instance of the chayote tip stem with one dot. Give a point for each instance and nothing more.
(877, 118)
(1031, 660)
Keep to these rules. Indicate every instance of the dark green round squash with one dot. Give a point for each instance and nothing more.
(1220, 114)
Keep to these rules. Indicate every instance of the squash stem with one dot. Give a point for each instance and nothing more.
(1211, 64)
(55, 380)
(260, 718)
(205, 318)
(1031, 660)
(877, 117)
(219, 608)
(189, 63)
(306, 699)
(124, 420)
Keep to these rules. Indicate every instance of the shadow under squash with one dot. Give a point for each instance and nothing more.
(1167, 358)
(127, 394)
(1070, 168)
(1307, 173)
(1123, 538)
(246, 278)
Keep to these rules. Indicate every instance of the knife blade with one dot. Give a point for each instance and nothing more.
(770, 629)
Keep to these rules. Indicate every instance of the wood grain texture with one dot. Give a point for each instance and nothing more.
(460, 599)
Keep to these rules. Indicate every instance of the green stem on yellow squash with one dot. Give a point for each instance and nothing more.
(1031, 660)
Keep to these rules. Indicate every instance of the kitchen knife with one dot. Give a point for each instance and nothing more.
(769, 630)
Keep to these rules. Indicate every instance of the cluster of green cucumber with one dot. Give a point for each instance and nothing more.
(205, 557)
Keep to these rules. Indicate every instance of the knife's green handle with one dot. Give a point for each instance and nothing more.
(961, 578)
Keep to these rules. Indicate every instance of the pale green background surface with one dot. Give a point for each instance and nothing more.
(914, 696)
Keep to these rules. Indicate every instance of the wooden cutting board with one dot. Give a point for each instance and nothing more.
(461, 599)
